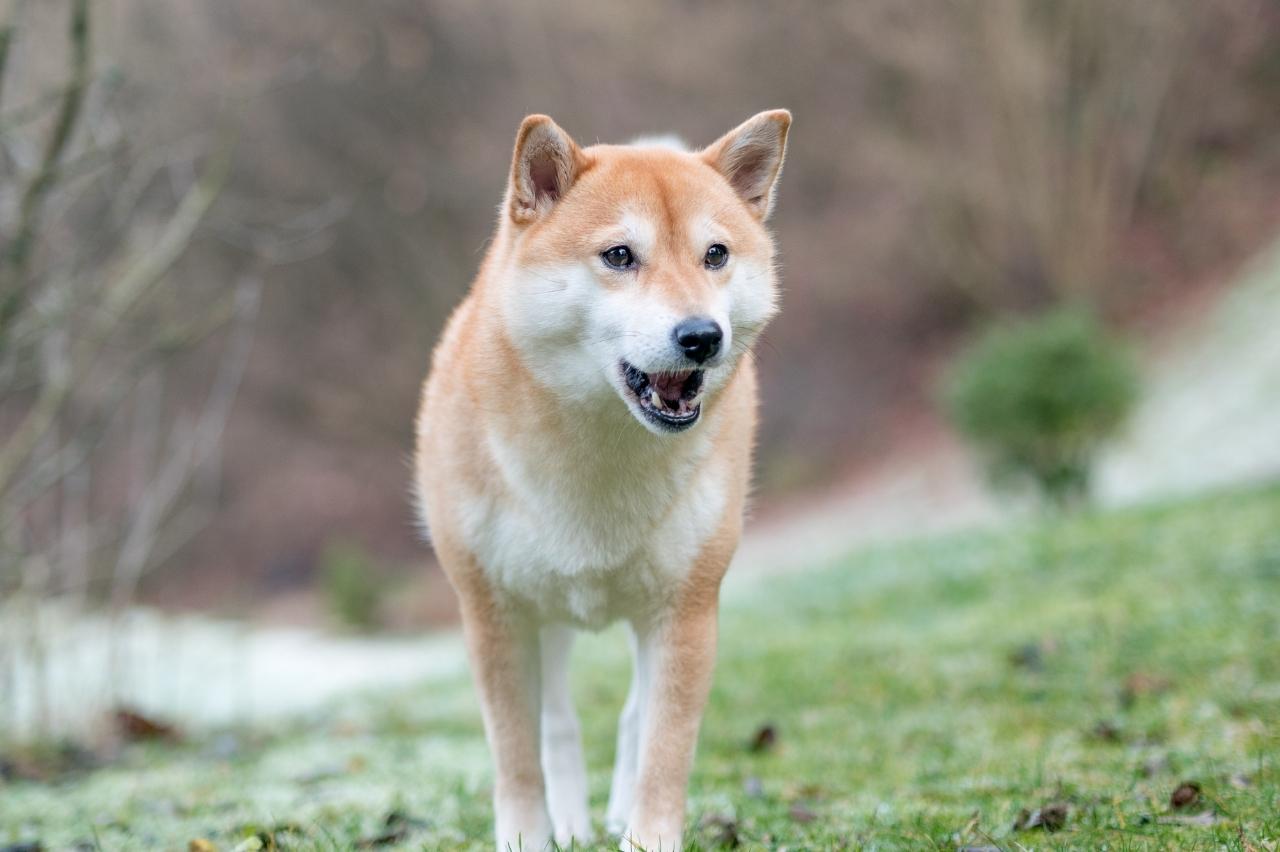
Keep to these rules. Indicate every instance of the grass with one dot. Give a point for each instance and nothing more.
(920, 695)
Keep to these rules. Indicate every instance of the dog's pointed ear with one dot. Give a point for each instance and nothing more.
(750, 157)
(545, 165)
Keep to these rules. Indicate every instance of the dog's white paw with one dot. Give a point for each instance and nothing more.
(633, 840)
(573, 829)
(522, 829)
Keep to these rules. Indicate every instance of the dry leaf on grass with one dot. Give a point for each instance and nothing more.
(396, 828)
(1185, 795)
(725, 830)
(134, 726)
(765, 738)
(1050, 817)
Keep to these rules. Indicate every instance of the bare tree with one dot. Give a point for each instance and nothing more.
(1033, 168)
(93, 334)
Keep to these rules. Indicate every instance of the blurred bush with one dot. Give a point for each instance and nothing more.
(350, 585)
(1040, 397)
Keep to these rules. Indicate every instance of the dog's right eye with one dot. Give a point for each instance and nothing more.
(618, 257)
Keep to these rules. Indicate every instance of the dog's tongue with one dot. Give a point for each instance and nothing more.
(669, 385)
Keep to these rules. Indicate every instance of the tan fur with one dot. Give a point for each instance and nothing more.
(481, 390)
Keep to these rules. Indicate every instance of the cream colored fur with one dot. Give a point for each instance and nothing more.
(553, 503)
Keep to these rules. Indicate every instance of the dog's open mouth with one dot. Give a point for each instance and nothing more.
(671, 400)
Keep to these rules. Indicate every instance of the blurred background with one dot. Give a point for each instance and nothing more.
(233, 230)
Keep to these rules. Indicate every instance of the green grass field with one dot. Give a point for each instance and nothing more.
(920, 695)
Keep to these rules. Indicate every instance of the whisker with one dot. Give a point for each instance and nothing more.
(611, 337)
(740, 348)
(765, 341)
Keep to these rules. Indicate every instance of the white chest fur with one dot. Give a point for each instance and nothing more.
(587, 534)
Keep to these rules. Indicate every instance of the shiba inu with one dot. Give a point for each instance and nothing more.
(583, 454)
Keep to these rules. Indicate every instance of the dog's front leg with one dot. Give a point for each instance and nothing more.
(680, 653)
(562, 763)
(627, 759)
(504, 651)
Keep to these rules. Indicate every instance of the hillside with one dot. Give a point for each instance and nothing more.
(921, 695)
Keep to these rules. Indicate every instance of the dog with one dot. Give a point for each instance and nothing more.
(583, 454)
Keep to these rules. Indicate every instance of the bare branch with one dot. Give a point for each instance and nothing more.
(7, 31)
(45, 473)
(196, 446)
(121, 296)
(18, 252)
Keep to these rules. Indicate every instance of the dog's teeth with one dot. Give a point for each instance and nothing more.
(654, 399)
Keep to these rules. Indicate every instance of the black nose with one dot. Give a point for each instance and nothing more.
(699, 338)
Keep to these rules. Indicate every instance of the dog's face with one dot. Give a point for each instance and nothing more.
(641, 272)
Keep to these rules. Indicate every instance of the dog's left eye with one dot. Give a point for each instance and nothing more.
(619, 257)
(717, 256)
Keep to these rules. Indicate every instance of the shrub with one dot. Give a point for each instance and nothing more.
(351, 585)
(1038, 398)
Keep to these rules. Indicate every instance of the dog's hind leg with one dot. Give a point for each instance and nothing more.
(630, 724)
(562, 763)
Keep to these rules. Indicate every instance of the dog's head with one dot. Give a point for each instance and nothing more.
(642, 270)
